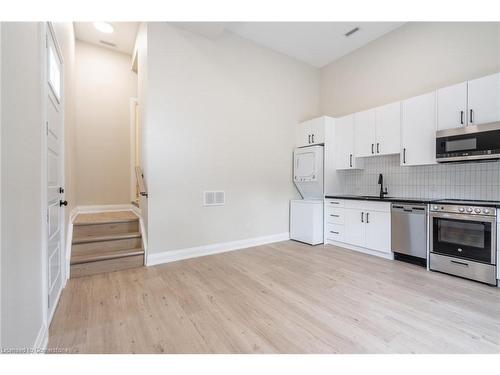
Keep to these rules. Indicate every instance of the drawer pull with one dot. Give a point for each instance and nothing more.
(334, 202)
(460, 263)
(332, 215)
(334, 232)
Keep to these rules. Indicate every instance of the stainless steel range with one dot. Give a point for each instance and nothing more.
(463, 239)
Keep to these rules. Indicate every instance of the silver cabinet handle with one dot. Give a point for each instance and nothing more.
(362, 217)
(471, 116)
(309, 138)
(372, 148)
(461, 117)
(334, 215)
(334, 232)
(378, 151)
(367, 222)
(312, 137)
(350, 160)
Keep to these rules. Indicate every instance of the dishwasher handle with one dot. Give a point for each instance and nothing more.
(413, 209)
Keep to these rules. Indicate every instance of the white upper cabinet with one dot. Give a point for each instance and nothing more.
(344, 144)
(377, 130)
(418, 130)
(364, 133)
(452, 106)
(484, 100)
(388, 129)
(311, 132)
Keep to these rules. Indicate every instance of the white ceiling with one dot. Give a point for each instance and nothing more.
(316, 43)
(123, 36)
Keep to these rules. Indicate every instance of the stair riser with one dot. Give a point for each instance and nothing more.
(100, 246)
(93, 268)
(105, 229)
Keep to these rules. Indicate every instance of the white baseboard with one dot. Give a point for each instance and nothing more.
(199, 251)
(389, 256)
(42, 340)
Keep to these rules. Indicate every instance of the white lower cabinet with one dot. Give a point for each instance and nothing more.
(378, 231)
(362, 224)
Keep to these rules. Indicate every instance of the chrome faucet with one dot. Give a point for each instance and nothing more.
(381, 183)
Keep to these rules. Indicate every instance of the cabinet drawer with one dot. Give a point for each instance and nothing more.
(364, 205)
(335, 232)
(334, 215)
(334, 203)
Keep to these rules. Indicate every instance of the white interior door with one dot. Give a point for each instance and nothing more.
(55, 191)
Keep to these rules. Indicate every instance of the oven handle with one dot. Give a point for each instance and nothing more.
(447, 215)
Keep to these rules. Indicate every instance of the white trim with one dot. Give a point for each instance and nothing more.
(379, 254)
(199, 251)
(133, 179)
(42, 339)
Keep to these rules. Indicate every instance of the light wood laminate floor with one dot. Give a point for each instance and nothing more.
(280, 298)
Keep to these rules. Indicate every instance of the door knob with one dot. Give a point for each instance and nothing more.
(63, 203)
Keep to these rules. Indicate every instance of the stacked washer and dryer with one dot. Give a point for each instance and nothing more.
(306, 214)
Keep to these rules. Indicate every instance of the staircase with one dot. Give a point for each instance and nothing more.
(106, 242)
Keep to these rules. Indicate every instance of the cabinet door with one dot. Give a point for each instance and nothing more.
(302, 134)
(388, 129)
(418, 130)
(364, 133)
(317, 130)
(378, 231)
(484, 100)
(452, 106)
(344, 144)
(354, 227)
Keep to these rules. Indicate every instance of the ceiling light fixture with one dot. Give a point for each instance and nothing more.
(104, 27)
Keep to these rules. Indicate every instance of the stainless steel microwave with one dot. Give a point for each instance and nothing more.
(469, 143)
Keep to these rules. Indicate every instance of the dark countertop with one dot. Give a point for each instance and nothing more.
(377, 198)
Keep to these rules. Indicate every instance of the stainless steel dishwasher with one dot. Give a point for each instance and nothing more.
(409, 232)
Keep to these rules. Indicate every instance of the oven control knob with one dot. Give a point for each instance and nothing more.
(469, 209)
(486, 211)
(435, 207)
(461, 209)
(477, 210)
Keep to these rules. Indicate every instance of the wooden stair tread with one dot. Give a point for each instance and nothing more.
(105, 255)
(109, 237)
(105, 218)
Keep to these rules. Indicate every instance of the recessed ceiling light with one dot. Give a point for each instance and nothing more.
(104, 27)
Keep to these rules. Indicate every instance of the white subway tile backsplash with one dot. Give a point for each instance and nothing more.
(451, 181)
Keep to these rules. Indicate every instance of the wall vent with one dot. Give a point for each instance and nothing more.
(214, 198)
(350, 32)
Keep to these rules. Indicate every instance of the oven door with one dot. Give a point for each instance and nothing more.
(470, 237)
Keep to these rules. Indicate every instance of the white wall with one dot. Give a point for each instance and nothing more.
(413, 59)
(104, 86)
(21, 215)
(220, 115)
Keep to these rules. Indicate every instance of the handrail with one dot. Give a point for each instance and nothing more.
(140, 181)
